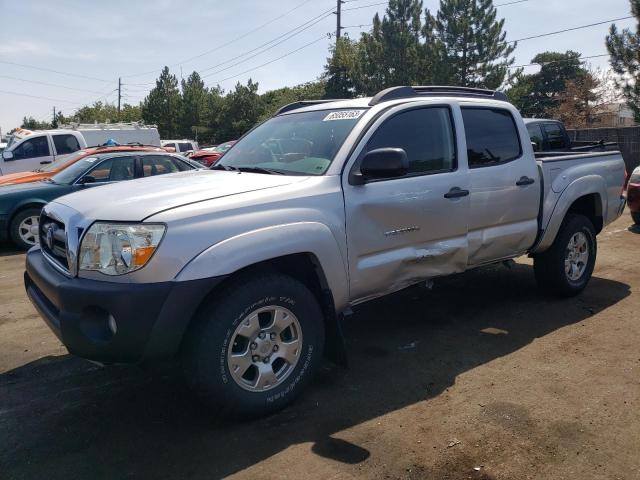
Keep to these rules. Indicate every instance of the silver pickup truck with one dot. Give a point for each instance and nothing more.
(243, 270)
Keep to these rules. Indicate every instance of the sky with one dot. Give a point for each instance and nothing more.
(82, 47)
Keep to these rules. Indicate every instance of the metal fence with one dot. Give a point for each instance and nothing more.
(628, 139)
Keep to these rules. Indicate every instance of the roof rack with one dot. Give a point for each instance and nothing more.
(395, 93)
(305, 103)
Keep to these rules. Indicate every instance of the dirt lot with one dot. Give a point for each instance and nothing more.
(479, 373)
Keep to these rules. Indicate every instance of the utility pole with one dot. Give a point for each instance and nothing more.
(338, 19)
(53, 123)
(119, 95)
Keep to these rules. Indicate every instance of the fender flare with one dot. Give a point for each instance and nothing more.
(588, 185)
(249, 248)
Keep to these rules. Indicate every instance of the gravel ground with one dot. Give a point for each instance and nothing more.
(480, 377)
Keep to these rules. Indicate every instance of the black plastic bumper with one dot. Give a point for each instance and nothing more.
(114, 322)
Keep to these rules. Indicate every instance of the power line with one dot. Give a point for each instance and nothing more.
(244, 35)
(571, 29)
(55, 71)
(38, 97)
(258, 53)
(364, 6)
(559, 61)
(47, 84)
(327, 35)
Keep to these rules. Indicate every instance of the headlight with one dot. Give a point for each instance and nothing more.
(119, 248)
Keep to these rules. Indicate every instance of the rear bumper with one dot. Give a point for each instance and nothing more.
(113, 322)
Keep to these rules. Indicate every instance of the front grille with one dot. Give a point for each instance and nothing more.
(53, 240)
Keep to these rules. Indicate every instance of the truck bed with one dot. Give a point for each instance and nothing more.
(563, 170)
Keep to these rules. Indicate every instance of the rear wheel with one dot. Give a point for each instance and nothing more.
(566, 267)
(256, 345)
(23, 229)
(636, 217)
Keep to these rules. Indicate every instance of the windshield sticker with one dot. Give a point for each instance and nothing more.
(91, 159)
(343, 115)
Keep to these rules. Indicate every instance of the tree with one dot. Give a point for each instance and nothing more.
(275, 99)
(537, 93)
(580, 104)
(194, 104)
(340, 70)
(624, 48)
(31, 123)
(466, 44)
(163, 105)
(391, 54)
(242, 110)
(106, 112)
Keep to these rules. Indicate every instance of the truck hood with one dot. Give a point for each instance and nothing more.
(136, 200)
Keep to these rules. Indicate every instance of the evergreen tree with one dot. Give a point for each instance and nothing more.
(242, 110)
(467, 44)
(163, 105)
(31, 123)
(537, 93)
(391, 54)
(340, 69)
(624, 48)
(194, 104)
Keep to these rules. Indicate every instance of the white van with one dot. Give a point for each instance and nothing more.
(29, 150)
(181, 146)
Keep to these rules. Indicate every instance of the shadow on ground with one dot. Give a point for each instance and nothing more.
(70, 419)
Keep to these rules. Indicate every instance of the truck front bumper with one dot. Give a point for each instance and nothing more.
(113, 322)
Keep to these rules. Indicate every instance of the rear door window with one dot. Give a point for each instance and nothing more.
(160, 164)
(492, 136)
(65, 144)
(555, 136)
(185, 146)
(32, 148)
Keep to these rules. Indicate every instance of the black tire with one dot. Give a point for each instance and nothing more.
(206, 346)
(14, 227)
(549, 266)
(636, 217)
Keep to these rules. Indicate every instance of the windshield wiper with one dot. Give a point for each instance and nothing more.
(268, 171)
(226, 168)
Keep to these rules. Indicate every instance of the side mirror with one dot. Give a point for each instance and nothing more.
(535, 146)
(383, 163)
(7, 155)
(86, 180)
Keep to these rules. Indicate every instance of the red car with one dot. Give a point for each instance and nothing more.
(209, 156)
(633, 195)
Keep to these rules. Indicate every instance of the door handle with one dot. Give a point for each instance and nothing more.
(456, 192)
(525, 181)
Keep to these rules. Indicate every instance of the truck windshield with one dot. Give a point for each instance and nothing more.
(295, 144)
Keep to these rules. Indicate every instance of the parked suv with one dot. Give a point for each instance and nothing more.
(244, 270)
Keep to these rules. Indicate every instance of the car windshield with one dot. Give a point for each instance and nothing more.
(72, 172)
(295, 144)
(62, 161)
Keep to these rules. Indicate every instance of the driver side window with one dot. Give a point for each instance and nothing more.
(32, 148)
(425, 134)
(114, 170)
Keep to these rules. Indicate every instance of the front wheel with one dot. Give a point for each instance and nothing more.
(23, 229)
(255, 346)
(566, 267)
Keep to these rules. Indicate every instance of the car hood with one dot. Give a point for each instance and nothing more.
(20, 177)
(136, 200)
(27, 188)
